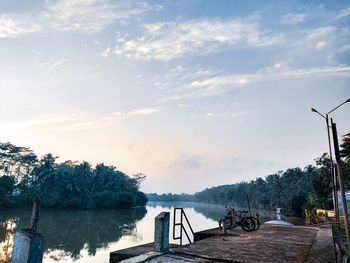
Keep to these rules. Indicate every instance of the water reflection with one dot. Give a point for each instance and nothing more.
(69, 232)
(89, 236)
(216, 212)
(7, 229)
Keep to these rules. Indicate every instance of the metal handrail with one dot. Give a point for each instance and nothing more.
(182, 228)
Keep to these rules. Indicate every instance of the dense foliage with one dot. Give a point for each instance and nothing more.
(345, 154)
(294, 189)
(170, 197)
(67, 184)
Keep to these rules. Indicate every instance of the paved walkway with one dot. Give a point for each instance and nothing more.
(271, 243)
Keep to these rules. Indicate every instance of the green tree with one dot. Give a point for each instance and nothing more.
(345, 149)
(17, 162)
(321, 181)
(345, 154)
(67, 184)
(7, 185)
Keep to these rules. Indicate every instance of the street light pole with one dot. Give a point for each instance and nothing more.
(334, 179)
(333, 175)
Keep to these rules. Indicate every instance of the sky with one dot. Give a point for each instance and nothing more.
(193, 94)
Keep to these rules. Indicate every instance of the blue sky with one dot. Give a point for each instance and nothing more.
(191, 93)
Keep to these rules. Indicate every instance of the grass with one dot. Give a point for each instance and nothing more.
(339, 237)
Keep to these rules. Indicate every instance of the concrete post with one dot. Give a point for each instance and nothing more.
(224, 226)
(35, 215)
(161, 232)
(28, 247)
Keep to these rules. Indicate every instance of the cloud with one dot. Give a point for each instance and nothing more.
(58, 121)
(58, 63)
(245, 164)
(136, 112)
(85, 15)
(320, 44)
(170, 40)
(52, 119)
(223, 83)
(80, 126)
(344, 48)
(320, 32)
(183, 106)
(187, 162)
(343, 12)
(205, 166)
(144, 111)
(88, 16)
(13, 27)
(106, 52)
(293, 18)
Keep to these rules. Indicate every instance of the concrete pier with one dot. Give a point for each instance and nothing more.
(271, 243)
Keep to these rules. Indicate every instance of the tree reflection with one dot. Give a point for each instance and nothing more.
(71, 231)
(7, 229)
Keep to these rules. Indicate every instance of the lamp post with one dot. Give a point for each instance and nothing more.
(334, 180)
(334, 189)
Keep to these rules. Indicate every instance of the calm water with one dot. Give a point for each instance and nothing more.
(89, 236)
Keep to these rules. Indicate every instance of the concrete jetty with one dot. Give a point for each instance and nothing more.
(271, 243)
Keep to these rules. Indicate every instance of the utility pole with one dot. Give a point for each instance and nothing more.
(341, 182)
(333, 173)
(334, 176)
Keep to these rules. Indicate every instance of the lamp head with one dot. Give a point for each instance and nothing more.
(348, 100)
(313, 110)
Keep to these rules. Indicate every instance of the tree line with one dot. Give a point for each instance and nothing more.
(294, 189)
(170, 197)
(25, 177)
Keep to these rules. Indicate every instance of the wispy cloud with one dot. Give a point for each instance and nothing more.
(229, 114)
(292, 18)
(136, 112)
(320, 44)
(224, 83)
(59, 121)
(343, 13)
(205, 165)
(320, 32)
(169, 40)
(145, 111)
(105, 53)
(188, 162)
(15, 26)
(88, 16)
(80, 126)
(58, 63)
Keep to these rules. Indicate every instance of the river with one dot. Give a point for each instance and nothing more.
(86, 236)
